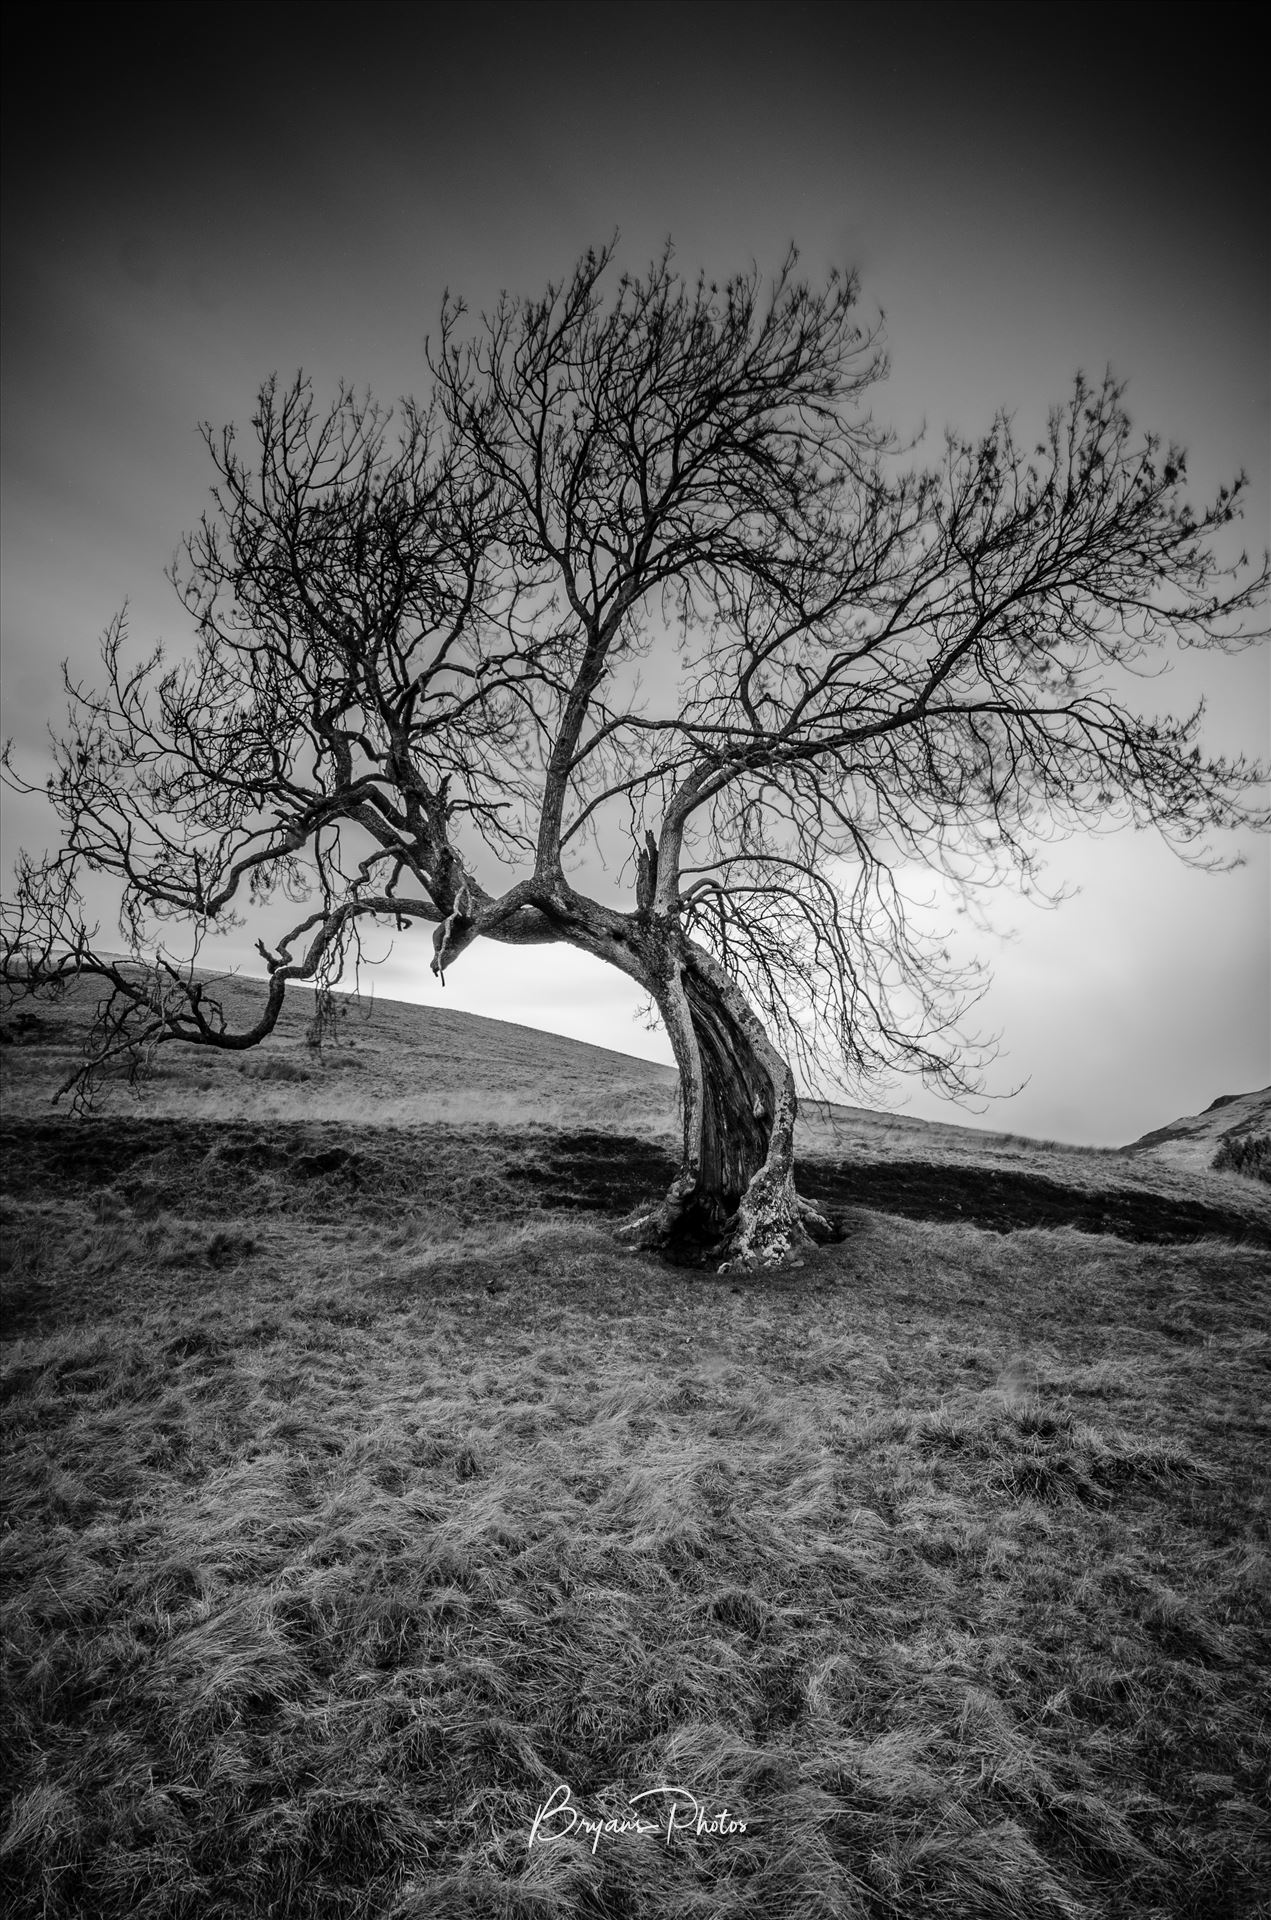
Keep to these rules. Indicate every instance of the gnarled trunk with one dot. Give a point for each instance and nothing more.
(734, 1198)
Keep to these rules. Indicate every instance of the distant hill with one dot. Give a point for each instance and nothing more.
(1192, 1142)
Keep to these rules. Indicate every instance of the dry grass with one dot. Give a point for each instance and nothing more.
(347, 1520)
(388, 1064)
(355, 1502)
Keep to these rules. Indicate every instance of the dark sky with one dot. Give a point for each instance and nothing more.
(196, 196)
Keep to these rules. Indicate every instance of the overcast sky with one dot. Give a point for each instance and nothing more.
(197, 196)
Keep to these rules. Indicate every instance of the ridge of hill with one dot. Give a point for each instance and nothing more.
(1191, 1142)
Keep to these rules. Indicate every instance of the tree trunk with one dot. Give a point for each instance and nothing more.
(733, 1201)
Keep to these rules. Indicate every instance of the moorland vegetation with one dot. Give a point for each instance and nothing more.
(362, 1493)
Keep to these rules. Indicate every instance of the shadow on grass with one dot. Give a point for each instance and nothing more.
(607, 1174)
(324, 1166)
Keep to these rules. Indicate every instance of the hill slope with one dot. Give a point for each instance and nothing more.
(586, 1125)
(1193, 1141)
(388, 1063)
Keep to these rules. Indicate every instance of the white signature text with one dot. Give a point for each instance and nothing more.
(679, 1812)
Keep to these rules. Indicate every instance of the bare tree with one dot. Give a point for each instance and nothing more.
(646, 581)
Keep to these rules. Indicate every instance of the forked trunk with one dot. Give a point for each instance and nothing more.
(734, 1199)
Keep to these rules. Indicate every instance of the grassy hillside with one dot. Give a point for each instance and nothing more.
(387, 1064)
(1192, 1142)
(361, 1496)
(392, 1066)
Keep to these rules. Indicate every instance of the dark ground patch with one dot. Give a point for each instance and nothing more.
(1004, 1200)
(210, 1166)
(599, 1172)
(612, 1175)
(220, 1167)
(26, 1028)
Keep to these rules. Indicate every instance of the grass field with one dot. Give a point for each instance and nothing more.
(361, 1496)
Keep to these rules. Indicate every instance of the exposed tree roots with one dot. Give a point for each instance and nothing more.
(773, 1226)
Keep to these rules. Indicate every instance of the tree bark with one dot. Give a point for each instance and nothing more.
(733, 1201)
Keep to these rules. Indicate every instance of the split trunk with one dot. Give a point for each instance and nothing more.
(733, 1200)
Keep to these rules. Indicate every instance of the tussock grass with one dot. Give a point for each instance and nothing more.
(345, 1522)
